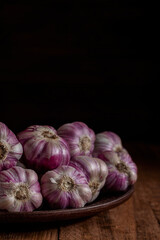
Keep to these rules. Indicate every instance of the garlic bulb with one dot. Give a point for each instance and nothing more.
(65, 187)
(43, 148)
(95, 170)
(79, 137)
(107, 141)
(10, 148)
(122, 171)
(19, 190)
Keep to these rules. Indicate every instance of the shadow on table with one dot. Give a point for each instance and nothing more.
(38, 226)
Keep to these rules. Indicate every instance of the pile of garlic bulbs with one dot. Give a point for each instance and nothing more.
(67, 168)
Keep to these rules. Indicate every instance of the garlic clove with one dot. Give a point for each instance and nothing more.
(19, 190)
(79, 137)
(10, 148)
(6, 202)
(75, 200)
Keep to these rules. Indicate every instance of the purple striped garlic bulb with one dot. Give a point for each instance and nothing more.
(95, 170)
(19, 190)
(122, 171)
(79, 137)
(107, 141)
(10, 148)
(65, 187)
(43, 148)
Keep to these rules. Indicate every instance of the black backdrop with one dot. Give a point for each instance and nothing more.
(63, 62)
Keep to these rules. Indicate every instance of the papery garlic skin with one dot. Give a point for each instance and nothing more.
(19, 190)
(65, 187)
(43, 148)
(79, 137)
(95, 170)
(10, 148)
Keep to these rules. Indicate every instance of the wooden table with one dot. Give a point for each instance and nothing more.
(138, 218)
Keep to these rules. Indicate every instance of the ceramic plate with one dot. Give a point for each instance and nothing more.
(103, 202)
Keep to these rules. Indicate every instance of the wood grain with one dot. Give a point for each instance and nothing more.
(136, 219)
(111, 224)
(45, 234)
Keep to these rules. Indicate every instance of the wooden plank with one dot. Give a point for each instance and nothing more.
(123, 222)
(114, 224)
(154, 181)
(147, 195)
(90, 229)
(40, 235)
(147, 225)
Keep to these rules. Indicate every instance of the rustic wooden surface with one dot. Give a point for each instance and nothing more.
(138, 218)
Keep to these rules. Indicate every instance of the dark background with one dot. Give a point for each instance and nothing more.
(62, 61)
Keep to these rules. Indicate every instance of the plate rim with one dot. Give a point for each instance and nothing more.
(95, 206)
